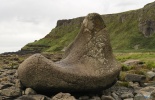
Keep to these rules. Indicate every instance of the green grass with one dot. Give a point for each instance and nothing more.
(148, 58)
(123, 28)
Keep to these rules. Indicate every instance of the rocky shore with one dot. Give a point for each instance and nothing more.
(133, 87)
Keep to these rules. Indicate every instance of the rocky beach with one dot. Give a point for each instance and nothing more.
(132, 87)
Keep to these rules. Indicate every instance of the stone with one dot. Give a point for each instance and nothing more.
(146, 92)
(33, 97)
(150, 75)
(128, 99)
(134, 85)
(106, 98)
(115, 96)
(152, 96)
(84, 98)
(127, 95)
(135, 78)
(18, 84)
(6, 85)
(139, 97)
(63, 96)
(132, 62)
(30, 91)
(95, 98)
(87, 65)
(11, 92)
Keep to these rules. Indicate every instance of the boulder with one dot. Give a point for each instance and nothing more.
(88, 63)
(135, 78)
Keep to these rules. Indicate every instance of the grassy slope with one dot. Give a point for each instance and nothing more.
(123, 29)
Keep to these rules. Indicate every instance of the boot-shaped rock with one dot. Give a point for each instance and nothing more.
(88, 63)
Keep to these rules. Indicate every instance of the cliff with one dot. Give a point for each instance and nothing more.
(131, 30)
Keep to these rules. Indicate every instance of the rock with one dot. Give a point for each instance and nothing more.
(128, 99)
(6, 85)
(147, 27)
(63, 96)
(135, 78)
(146, 92)
(95, 98)
(84, 98)
(127, 95)
(1, 98)
(150, 75)
(139, 97)
(62, 22)
(11, 92)
(18, 84)
(152, 96)
(115, 96)
(132, 62)
(106, 97)
(134, 85)
(30, 91)
(33, 97)
(87, 65)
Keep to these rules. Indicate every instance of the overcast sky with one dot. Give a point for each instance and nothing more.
(23, 21)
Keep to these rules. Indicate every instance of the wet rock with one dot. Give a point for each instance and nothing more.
(63, 96)
(30, 91)
(106, 97)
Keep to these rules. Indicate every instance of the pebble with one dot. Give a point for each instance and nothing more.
(106, 98)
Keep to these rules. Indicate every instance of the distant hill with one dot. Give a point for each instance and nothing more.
(129, 31)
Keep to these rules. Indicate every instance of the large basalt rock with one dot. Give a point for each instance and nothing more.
(88, 63)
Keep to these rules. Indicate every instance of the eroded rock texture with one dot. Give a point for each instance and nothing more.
(88, 63)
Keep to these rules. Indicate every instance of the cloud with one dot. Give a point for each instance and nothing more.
(23, 21)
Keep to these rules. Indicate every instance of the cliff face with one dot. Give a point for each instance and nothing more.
(132, 30)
